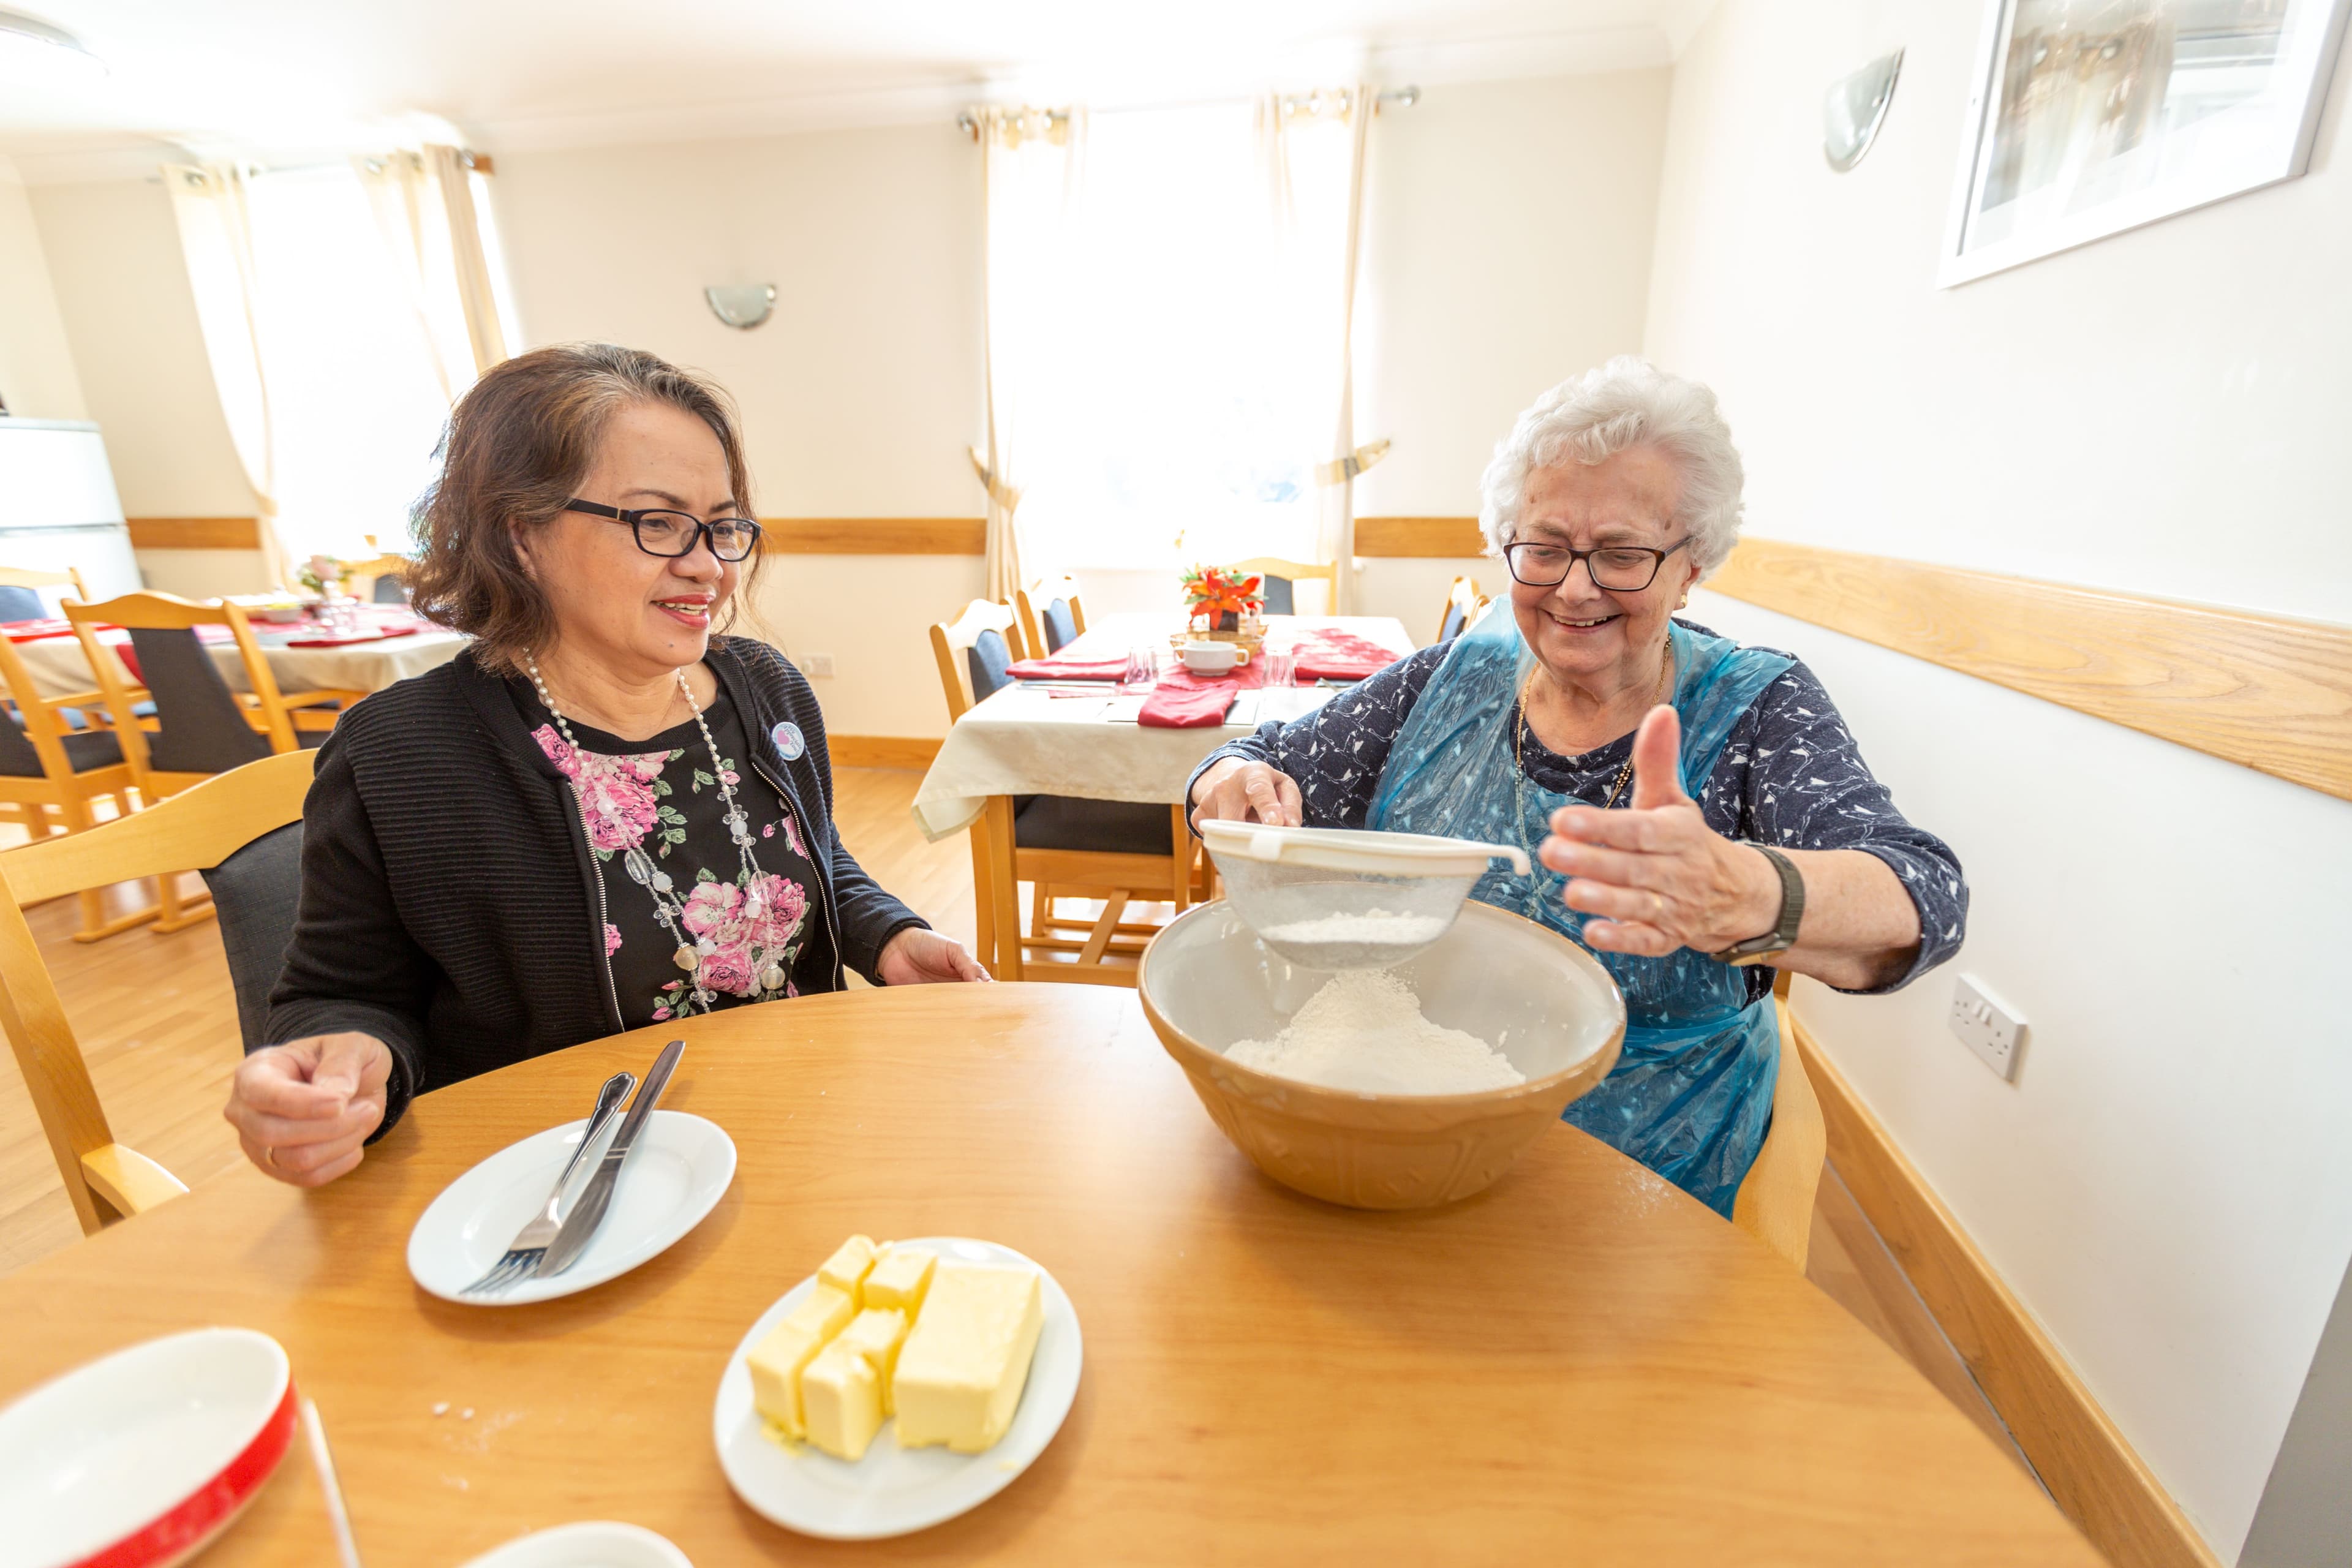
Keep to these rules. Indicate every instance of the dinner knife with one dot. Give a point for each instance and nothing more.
(580, 1225)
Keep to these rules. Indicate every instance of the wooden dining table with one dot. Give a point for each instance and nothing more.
(1578, 1364)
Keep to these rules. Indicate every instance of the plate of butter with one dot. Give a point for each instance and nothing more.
(899, 1385)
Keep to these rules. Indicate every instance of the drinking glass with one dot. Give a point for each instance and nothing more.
(1281, 665)
(1142, 668)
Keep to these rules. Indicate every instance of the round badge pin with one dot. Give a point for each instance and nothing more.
(787, 736)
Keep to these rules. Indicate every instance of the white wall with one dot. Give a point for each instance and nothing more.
(122, 289)
(36, 368)
(2166, 1183)
(858, 396)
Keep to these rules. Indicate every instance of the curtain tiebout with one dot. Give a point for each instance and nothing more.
(1341, 471)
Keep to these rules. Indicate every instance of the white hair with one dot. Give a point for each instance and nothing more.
(1629, 402)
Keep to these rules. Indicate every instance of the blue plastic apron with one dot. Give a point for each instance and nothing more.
(1691, 1096)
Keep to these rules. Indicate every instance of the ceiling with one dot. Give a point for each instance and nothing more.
(311, 74)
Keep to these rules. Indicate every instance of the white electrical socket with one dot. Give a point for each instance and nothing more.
(1987, 1024)
(818, 665)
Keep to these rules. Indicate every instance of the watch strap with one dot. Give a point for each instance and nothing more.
(1783, 934)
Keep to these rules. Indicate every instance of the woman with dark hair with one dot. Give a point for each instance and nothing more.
(600, 815)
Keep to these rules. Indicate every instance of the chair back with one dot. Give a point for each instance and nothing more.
(973, 651)
(1051, 616)
(1775, 1200)
(202, 727)
(1463, 601)
(256, 892)
(384, 577)
(1280, 575)
(203, 825)
(20, 596)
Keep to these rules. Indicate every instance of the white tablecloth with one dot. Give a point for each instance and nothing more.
(1028, 742)
(58, 667)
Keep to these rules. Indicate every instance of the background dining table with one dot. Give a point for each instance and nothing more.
(1054, 738)
(59, 665)
(1581, 1363)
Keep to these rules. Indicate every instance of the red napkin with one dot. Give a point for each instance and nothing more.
(32, 631)
(1057, 669)
(1188, 704)
(1340, 656)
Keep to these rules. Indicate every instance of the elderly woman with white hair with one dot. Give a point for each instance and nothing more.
(1699, 813)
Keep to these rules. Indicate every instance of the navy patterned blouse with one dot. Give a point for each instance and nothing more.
(1790, 776)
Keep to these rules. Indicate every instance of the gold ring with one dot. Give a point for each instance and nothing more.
(269, 1158)
(1659, 919)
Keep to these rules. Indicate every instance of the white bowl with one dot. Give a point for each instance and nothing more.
(139, 1459)
(1211, 657)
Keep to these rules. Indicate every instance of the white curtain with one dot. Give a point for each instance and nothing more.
(1168, 314)
(213, 209)
(1312, 146)
(344, 307)
(1031, 167)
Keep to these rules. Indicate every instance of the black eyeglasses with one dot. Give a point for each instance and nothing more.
(675, 533)
(1620, 568)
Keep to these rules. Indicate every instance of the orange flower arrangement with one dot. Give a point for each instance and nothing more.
(1216, 592)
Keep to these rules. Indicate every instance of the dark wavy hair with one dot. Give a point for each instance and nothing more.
(517, 444)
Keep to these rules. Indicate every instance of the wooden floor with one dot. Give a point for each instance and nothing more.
(157, 1021)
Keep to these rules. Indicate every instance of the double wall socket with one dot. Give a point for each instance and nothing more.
(1987, 1024)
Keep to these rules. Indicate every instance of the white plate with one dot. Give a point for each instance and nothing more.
(893, 1490)
(601, 1544)
(675, 1176)
(143, 1456)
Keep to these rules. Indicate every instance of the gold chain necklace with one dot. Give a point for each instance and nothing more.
(1520, 770)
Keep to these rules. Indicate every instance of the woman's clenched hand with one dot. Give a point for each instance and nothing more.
(1240, 791)
(303, 1110)
(1657, 876)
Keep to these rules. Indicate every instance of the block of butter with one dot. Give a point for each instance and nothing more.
(877, 1335)
(900, 1276)
(962, 1368)
(845, 1269)
(776, 1361)
(841, 1400)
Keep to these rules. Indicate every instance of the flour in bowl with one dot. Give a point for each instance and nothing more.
(1364, 1032)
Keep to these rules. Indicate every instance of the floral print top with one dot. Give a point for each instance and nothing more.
(656, 806)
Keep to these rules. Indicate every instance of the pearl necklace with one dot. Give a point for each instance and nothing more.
(668, 905)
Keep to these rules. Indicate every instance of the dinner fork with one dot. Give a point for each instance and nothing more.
(529, 1244)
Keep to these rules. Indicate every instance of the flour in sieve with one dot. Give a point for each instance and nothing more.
(1364, 1032)
(1374, 928)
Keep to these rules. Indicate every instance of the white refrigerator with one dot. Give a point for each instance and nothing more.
(59, 508)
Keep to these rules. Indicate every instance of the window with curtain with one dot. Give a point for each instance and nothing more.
(344, 307)
(1173, 339)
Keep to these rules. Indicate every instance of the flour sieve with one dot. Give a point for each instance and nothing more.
(1333, 897)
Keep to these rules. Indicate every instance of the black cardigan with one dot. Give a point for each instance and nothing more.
(449, 905)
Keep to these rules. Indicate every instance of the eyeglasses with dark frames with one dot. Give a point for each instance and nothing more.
(1619, 568)
(673, 533)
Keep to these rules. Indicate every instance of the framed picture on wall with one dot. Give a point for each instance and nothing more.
(2090, 117)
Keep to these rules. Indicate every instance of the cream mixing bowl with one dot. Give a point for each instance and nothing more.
(1208, 982)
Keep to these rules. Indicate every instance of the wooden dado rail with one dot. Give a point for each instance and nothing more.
(2267, 691)
(2264, 690)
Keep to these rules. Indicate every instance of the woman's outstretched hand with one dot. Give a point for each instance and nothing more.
(303, 1110)
(1657, 876)
(1240, 791)
(918, 956)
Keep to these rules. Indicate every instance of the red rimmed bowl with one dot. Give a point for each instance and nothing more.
(138, 1459)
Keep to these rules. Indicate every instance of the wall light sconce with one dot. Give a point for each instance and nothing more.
(33, 50)
(742, 305)
(1853, 109)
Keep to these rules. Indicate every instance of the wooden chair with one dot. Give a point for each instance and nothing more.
(1051, 616)
(20, 598)
(201, 727)
(50, 765)
(1775, 1201)
(201, 827)
(1463, 603)
(1066, 847)
(1280, 574)
(382, 579)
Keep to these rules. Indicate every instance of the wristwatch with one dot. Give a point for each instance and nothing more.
(1783, 935)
